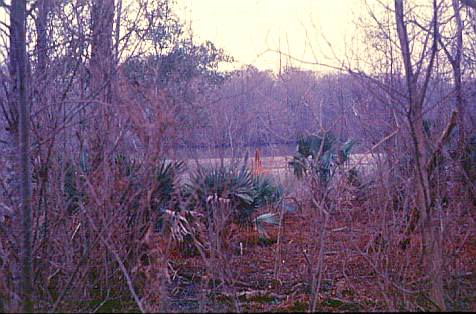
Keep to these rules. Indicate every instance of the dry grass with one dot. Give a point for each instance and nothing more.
(362, 272)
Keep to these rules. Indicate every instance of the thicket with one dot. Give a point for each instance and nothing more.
(114, 88)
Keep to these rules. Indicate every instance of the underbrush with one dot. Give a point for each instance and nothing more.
(151, 235)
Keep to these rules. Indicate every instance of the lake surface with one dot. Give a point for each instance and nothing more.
(278, 165)
(268, 150)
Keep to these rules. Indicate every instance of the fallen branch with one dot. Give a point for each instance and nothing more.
(441, 141)
(383, 141)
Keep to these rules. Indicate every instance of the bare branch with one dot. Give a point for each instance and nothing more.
(442, 140)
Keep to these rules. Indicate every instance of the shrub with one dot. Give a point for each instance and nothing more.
(267, 192)
(244, 191)
(319, 154)
(166, 193)
(226, 183)
(167, 182)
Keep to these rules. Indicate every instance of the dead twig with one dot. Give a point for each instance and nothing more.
(112, 251)
(442, 140)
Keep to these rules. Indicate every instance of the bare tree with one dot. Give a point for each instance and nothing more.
(101, 63)
(416, 96)
(19, 63)
(454, 54)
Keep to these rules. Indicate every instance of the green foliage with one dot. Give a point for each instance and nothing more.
(166, 188)
(187, 61)
(244, 191)
(165, 27)
(166, 194)
(319, 154)
(167, 183)
(124, 166)
(267, 192)
(344, 152)
(184, 62)
(174, 72)
(261, 220)
(313, 153)
(227, 183)
(310, 146)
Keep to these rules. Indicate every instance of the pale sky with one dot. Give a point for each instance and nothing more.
(247, 28)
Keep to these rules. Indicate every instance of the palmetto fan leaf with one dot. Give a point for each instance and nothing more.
(167, 183)
(223, 182)
(267, 192)
(317, 154)
(261, 220)
(344, 152)
(314, 152)
(311, 145)
(245, 192)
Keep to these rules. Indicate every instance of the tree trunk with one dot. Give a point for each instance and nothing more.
(102, 16)
(431, 236)
(102, 59)
(18, 57)
(456, 65)
(42, 39)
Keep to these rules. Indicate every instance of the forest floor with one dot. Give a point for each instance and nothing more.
(361, 271)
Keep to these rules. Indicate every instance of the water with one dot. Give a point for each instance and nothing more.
(236, 152)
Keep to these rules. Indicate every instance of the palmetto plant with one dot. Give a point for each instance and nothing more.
(267, 192)
(313, 154)
(165, 196)
(243, 191)
(125, 166)
(167, 199)
(167, 183)
(262, 220)
(225, 183)
(319, 154)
